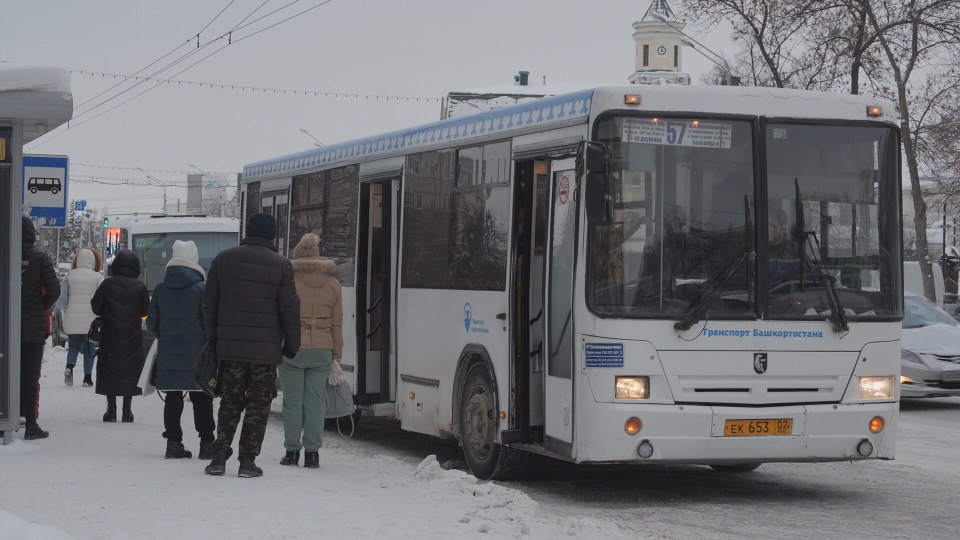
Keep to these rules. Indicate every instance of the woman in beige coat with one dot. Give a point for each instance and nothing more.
(304, 378)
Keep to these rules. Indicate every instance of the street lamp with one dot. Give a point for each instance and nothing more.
(159, 183)
(719, 61)
(316, 141)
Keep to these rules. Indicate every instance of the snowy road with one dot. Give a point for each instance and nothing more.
(914, 496)
(93, 480)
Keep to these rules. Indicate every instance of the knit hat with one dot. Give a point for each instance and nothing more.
(262, 226)
(309, 246)
(185, 254)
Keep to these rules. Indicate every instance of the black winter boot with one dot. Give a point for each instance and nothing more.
(247, 468)
(111, 414)
(311, 460)
(33, 431)
(87, 380)
(175, 450)
(127, 412)
(218, 465)
(292, 457)
(206, 450)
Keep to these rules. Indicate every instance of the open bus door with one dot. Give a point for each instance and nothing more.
(558, 310)
(376, 289)
(542, 367)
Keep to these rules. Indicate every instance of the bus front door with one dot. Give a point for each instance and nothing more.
(277, 205)
(558, 346)
(531, 208)
(376, 285)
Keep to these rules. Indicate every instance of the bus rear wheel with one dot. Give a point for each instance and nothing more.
(478, 430)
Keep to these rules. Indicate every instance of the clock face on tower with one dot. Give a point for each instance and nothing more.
(661, 51)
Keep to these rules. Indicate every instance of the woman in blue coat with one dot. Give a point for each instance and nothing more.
(176, 319)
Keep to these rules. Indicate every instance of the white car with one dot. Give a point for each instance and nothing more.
(930, 353)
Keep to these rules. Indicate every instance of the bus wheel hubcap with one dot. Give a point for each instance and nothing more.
(479, 423)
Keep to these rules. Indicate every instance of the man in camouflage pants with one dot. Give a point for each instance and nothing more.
(252, 314)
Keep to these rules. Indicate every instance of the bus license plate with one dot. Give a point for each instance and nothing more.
(758, 427)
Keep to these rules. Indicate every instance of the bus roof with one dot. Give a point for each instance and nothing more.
(179, 224)
(570, 109)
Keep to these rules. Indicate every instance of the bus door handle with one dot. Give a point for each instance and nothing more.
(537, 318)
(537, 351)
(375, 330)
(374, 306)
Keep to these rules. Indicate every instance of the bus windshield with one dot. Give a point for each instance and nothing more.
(681, 194)
(155, 250)
(681, 236)
(832, 212)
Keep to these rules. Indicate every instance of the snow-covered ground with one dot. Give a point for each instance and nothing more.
(95, 480)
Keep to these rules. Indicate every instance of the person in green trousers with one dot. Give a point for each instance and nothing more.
(304, 377)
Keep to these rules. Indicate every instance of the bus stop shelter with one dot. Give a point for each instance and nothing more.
(33, 101)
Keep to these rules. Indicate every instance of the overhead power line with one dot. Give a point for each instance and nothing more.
(168, 53)
(228, 35)
(263, 89)
(160, 171)
(140, 182)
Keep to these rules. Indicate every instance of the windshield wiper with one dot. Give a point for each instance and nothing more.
(698, 309)
(837, 316)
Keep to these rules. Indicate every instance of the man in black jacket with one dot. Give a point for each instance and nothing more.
(252, 314)
(39, 289)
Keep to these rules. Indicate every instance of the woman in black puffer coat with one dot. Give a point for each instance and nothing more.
(121, 301)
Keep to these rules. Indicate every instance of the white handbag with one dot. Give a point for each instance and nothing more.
(146, 376)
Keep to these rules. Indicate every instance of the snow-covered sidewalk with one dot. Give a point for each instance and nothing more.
(95, 480)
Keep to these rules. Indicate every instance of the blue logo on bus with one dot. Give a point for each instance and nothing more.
(467, 316)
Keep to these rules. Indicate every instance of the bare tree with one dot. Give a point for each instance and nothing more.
(916, 36)
(889, 48)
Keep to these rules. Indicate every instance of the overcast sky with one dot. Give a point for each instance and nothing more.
(418, 48)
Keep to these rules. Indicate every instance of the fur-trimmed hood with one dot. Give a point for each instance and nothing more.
(312, 270)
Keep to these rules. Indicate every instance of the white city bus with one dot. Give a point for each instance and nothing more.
(152, 238)
(626, 274)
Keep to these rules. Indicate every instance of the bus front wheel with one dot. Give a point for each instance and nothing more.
(33, 190)
(478, 430)
(54, 191)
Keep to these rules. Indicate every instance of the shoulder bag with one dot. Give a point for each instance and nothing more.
(96, 330)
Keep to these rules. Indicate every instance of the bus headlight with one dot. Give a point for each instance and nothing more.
(632, 387)
(872, 388)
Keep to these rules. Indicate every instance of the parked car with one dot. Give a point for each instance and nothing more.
(930, 353)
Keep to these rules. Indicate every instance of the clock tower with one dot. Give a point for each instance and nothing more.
(659, 46)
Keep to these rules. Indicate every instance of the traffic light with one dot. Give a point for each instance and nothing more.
(106, 222)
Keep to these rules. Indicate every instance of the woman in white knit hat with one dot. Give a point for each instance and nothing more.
(304, 378)
(176, 319)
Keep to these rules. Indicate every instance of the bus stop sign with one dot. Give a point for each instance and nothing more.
(44, 189)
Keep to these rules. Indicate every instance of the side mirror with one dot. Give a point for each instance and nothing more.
(595, 198)
(595, 190)
(596, 157)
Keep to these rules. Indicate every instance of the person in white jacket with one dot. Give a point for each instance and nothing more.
(77, 289)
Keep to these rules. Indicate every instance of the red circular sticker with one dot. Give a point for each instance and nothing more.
(564, 190)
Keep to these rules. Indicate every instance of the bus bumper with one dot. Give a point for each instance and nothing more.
(695, 434)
